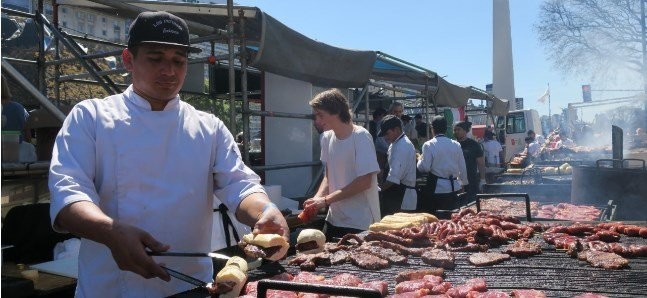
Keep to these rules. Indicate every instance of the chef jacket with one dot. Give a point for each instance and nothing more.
(156, 170)
(402, 169)
(443, 157)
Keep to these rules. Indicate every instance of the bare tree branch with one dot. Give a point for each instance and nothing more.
(599, 38)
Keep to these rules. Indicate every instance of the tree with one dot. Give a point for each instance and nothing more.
(597, 37)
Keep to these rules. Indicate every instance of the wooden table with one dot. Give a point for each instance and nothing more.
(46, 284)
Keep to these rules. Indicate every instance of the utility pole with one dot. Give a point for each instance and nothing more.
(644, 43)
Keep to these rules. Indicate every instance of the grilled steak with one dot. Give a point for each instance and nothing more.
(439, 258)
(606, 260)
(418, 274)
(339, 257)
(488, 258)
(384, 253)
(523, 249)
(368, 261)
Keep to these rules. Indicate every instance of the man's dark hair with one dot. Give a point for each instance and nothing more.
(379, 112)
(333, 102)
(439, 124)
(530, 132)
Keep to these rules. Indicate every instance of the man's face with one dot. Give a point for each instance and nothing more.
(397, 111)
(459, 132)
(392, 134)
(157, 71)
(325, 120)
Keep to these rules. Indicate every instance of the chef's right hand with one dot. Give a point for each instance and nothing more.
(128, 247)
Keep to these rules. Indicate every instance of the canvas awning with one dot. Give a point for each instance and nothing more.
(283, 51)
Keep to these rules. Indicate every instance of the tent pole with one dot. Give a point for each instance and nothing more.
(366, 111)
(243, 86)
(232, 71)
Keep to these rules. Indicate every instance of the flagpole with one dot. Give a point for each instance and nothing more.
(550, 116)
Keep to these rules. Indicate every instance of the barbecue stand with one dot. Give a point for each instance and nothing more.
(267, 284)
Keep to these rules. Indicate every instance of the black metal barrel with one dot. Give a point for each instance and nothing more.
(627, 187)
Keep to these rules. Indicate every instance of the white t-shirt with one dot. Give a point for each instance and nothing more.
(491, 149)
(402, 169)
(346, 160)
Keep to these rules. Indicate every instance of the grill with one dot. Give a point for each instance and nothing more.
(607, 212)
(553, 272)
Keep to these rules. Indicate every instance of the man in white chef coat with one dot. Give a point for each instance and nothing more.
(138, 171)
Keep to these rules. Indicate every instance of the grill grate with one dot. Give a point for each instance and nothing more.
(553, 272)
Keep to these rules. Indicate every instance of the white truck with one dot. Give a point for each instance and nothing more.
(513, 128)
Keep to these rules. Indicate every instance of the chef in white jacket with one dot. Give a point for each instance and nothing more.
(138, 171)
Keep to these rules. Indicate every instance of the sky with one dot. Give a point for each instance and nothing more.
(452, 38)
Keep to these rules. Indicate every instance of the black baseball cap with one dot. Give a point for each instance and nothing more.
(160, 27)
(388, 122)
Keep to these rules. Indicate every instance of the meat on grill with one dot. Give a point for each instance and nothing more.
(399, 248)
(523, 249)
(469, 289)
(388, 237)
(590, 295)
(339, 257)
(418, 274)
(383, 253)
(488, 294)
(468, 247)
(309, 262)
(606, 260)
(368, 261)
(380, 286)
(345, 279)
(528, 294)
(488, 258)
(439, 258)
(254, 251)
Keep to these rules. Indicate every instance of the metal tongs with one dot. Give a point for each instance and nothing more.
(251, 264)
(187, 278)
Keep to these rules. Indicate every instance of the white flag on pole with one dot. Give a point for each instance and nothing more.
(543, 98)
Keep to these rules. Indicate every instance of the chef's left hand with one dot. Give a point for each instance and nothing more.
(271, 221)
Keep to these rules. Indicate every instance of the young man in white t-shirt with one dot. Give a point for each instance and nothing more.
(349, 187)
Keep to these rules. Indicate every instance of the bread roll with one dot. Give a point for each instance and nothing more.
(231, 273)
(269, 240)
(308, 235)
(238, 261)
